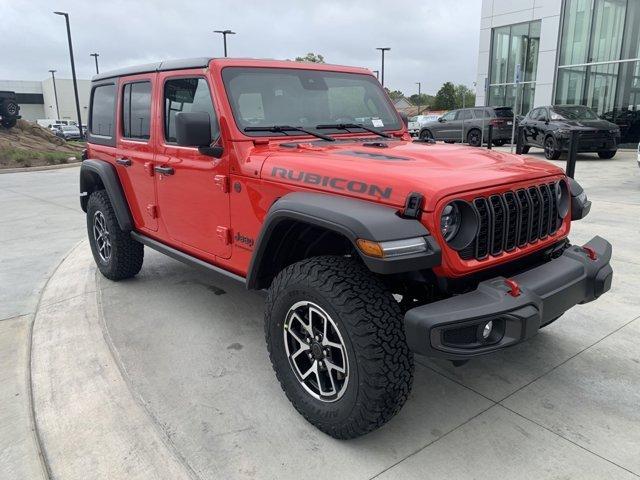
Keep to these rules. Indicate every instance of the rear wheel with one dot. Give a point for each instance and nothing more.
(336, 341)
(117, 255)
(474, 138)
(551, 150)
(607, 154)
(10, 108)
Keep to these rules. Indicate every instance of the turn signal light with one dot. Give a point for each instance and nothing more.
(392, 248)
(373, 249)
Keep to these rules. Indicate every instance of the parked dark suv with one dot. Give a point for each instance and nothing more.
(465, 125)
(550, 128)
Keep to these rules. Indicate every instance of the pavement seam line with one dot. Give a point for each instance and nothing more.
(435, 440)
(33, 197)
(40, 447)
(137, 397)
(569, 359)
(569, 440)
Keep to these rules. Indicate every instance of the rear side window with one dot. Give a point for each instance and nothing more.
(187, 95)
(102, 119)
(464, 115)
(136, 110)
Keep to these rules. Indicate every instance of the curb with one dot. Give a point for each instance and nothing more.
(88, 421)
(40, 168)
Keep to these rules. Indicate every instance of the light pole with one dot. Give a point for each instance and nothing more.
(382, 49)
(224, 37)
(95, 56)
(419, 97)
(73, 70)
(377, 72)
(55, 92)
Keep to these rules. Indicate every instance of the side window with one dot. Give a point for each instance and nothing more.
(449, 116)
(187, 95)
(533, 114)
(103, 102)
(542, 115)
(464, 115)
(136, 110)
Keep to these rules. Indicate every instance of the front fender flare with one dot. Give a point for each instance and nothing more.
(351, 218)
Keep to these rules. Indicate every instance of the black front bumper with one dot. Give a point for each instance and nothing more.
(452, 328)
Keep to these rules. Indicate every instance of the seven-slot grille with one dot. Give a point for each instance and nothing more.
(513, 219)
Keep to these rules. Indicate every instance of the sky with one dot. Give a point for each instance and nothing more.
(431, 41)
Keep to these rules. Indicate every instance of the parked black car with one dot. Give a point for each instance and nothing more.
(465, 125)
(9, 109)
(550, 128)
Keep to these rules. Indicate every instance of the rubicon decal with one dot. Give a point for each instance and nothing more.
(337, 183)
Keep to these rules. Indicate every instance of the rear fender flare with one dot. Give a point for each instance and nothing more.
(97, 175)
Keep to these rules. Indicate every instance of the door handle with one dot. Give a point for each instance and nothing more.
(123, 161)
(165, 170)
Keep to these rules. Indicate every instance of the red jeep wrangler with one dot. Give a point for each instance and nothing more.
(301, 179)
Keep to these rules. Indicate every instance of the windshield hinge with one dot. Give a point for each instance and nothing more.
(413, 206)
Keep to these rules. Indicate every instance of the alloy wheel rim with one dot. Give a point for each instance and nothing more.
(316, 351)
(102, 237)
(548, 148)
(475, 139)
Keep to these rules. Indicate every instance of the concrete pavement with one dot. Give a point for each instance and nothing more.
(167, 376)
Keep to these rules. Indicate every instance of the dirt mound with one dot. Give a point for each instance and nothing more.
(32, 137)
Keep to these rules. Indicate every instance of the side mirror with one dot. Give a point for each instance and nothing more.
(440, 119)
(404, 118)
(193, 129)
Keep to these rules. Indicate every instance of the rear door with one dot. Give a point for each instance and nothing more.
(192, 188)
(465, 118)
(135, 149)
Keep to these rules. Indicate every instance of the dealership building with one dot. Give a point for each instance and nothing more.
(37, 100)
(583, 52)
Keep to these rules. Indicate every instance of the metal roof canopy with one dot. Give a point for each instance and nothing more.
(200, 62)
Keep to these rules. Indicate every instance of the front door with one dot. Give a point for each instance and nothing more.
(192, 188)
(135, 150)
(446, 127)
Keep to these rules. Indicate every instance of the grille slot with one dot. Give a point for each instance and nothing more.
(513, 219)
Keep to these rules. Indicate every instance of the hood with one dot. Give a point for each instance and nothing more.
(387, 171)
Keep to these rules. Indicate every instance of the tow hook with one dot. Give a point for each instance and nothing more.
(514, 288)
(591, 253)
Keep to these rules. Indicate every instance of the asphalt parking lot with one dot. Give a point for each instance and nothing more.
(167, 375)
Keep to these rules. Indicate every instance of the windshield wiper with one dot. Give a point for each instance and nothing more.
(348, 126)
(287, 128)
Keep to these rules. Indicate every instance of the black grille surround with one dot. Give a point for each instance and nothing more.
(511, 219)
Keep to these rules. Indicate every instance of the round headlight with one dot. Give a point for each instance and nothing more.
(450, 221)
(459, 224)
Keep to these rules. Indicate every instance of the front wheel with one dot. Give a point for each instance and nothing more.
(607, 154)
(551, 150)
(425, 135)
(117, 255)
(336, 341)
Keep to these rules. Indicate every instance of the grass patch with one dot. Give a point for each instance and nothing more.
(16, 157)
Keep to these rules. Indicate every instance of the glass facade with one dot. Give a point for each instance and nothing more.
(598, 61)
(514, 45)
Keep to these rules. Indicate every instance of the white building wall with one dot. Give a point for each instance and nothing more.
(498, 13)
(66, 98)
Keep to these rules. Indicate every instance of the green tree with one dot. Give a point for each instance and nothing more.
(311, 57)
(464, 96)
(424, 100)
(446, 97)
(394, 94)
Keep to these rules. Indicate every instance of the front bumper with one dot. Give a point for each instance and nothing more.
(452, 328)
(591, 144)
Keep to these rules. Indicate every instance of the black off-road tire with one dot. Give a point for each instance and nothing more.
(126, 254)
(607, 154)
(380, 372)
(8, 122)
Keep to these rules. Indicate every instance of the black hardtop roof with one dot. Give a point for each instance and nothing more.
(199, 62)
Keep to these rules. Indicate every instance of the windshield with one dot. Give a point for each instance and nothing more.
(573, 113)
(504, 112)
(262, 97)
